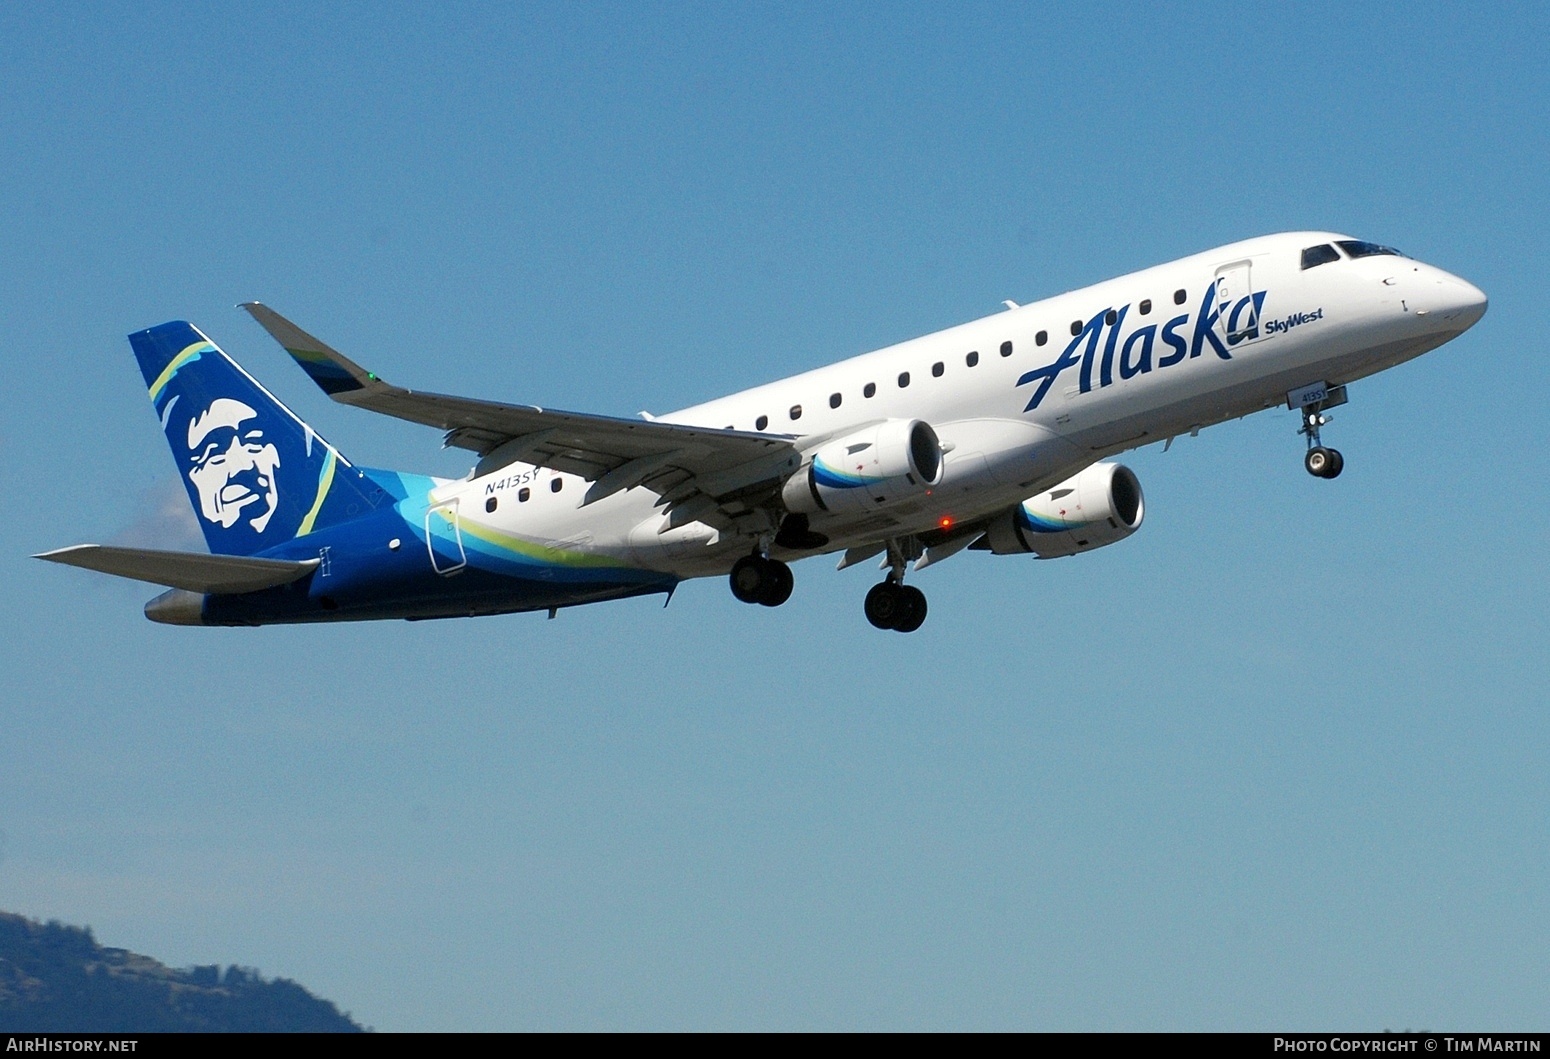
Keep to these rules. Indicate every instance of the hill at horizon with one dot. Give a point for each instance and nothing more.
(57, 978)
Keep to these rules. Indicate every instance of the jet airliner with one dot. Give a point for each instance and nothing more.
(993, 435)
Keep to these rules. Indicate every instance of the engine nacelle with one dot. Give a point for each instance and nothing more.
(1101, 505)
(895, 459)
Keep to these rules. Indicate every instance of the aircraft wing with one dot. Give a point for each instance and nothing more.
(702, 474)
(194, 571)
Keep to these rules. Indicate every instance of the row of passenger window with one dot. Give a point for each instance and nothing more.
(525, 494)
(971, 359)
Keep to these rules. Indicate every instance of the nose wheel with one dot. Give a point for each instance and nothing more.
(758, 579)
(1314, 401)
(1324, 463)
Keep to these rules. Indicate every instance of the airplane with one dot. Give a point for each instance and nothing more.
(992, 435)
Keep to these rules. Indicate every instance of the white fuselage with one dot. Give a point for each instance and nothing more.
(1127, 362)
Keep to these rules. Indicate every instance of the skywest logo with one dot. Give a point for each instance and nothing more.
(1240, 324)
(1274, 326)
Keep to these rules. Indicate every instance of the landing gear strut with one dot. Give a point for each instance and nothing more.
(893, 604)
(1313, 401)
(759, 579)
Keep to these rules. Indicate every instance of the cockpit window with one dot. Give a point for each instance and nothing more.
(1357, 248)
(1322, 254)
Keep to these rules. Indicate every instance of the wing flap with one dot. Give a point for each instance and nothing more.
(194, 571)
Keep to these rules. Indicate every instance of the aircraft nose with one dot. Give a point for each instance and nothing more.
(1462, 303)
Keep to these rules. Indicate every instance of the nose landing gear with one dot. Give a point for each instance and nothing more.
(1313, 401)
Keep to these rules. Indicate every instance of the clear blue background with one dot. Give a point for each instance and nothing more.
(1277, 761)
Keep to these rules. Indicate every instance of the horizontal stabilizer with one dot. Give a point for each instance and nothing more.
(194, 571)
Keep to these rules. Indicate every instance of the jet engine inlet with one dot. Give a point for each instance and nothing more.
(890, 461)
(1098, 507)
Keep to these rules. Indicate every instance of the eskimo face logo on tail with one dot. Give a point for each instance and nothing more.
(233, 465)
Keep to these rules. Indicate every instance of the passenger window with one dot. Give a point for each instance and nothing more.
(869, 390)
(1322, 254)
(489, 505)
(556, 484)
(761, 422)
(1041, 338)
(796, 412)
(972, 359)
(524, 495)
(1006, 349)
(1179, 296)
(904, 379)
(834, 400)
(1111, 317)
(937, 369)
(1145, 306)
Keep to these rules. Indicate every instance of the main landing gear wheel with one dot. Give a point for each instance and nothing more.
(1324, 463)
(894, 606)
(914, 609)
(755, 579)
(780, 586)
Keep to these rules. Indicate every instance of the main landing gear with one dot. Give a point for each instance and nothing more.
(1313, 401)
(893, 604)
(759, 579)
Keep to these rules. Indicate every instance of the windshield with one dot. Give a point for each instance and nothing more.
(1322, 254)
(1357, 248)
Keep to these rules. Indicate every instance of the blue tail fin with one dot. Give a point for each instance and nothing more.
(256, 474)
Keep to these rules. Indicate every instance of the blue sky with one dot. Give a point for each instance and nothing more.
(1277, 761)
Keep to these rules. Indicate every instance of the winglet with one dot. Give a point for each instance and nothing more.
(336, 375)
